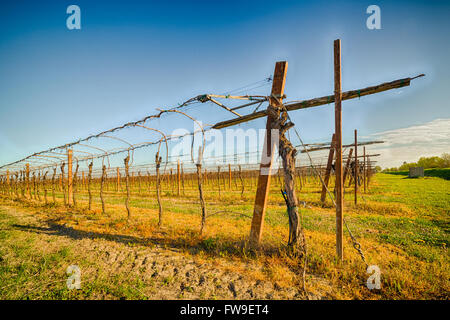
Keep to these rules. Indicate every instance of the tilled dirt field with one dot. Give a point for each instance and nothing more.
(108, 263)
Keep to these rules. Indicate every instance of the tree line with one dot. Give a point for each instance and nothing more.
(426, 162)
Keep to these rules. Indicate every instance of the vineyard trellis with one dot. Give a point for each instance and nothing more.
(27, 178)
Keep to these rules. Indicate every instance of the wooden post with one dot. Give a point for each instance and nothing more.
(229, 176)
(158, 160)
(178, 178)
(139, 181)
(44, 186)
(102, 184)
(182, 177)
(118, 179)
(127, 185)
(242, 182)
(218, 179)
(7, 180)
(37, 186)
(33, 183)
(16, 185)
(328, 169)
(89, 185)
(75, 184)
(53, 184)
(63, 183)
(338, 146)
(27, 177)
(262, 191)
(356, 167)
(370, 172)
(69, 177)
(347, 166)
(171, 180)
(364, 168)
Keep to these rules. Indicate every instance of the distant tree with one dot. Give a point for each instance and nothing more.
(425, 162)
(377, 169)
(406, 166)
(430, 162)
(445, 160)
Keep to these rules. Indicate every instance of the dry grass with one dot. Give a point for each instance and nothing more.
(409, 247)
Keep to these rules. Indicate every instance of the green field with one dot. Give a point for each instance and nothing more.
(436, 172)
(401, 223)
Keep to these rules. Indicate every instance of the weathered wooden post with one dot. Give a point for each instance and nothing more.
(89, 185)
(139, 181)
(69, 177)
(38, 182)
(44, 185)
(53, 185)
(102, 184)
(338, 132)
(33, 183)
(328, 169)
(262, 191)
(218, 179)
(182, 178)
(170, 180)
(17, 182)
(178, 178)
(369, 176)
(127, 184)
(8, 182)
(229, 176)
(13, 183)
(75, 184)
(242, 182)
(118, 179)
(63, 183)
(158, 160)
(356, 167)
(347, 165)
(27, 177)
(364, 168)
(22, 183)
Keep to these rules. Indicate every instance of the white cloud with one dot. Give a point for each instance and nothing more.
(411, 143)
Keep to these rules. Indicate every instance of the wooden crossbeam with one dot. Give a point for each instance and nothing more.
(321, 101)
(246, 97)
(344, 146)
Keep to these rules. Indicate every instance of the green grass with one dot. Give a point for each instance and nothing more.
(426, 197)
(402, 224)
(443, 173)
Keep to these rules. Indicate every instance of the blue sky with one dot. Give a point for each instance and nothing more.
(131, 57)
